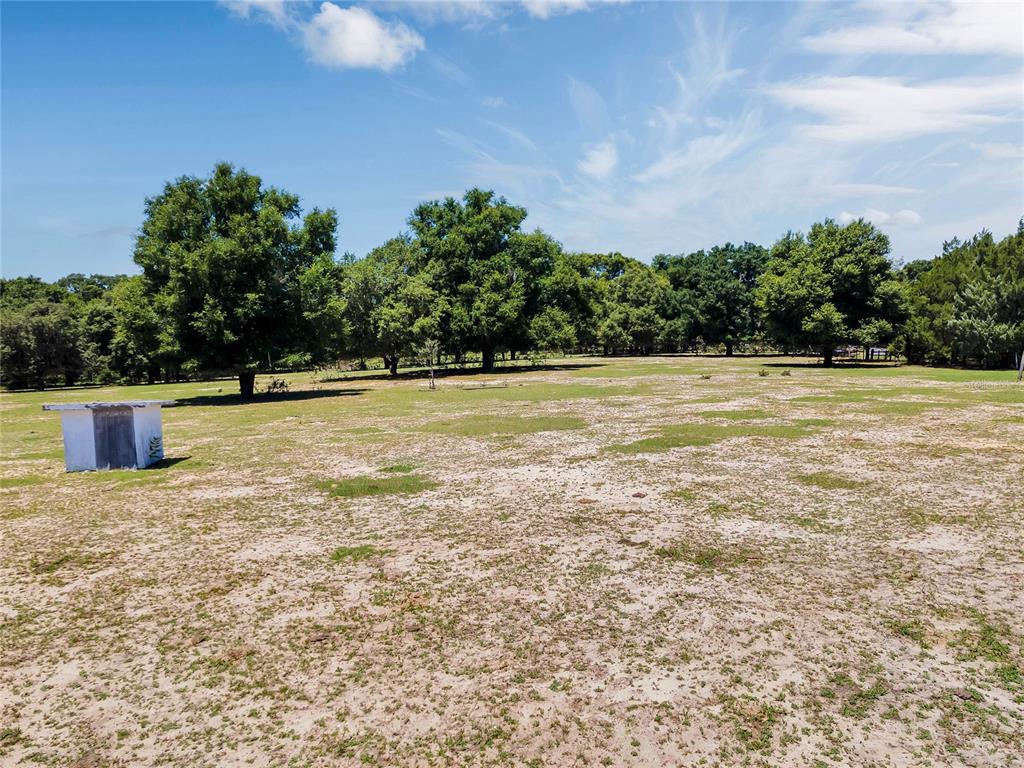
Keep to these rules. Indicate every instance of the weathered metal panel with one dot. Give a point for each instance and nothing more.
(114, 431)
(79, 440)
(149, 438)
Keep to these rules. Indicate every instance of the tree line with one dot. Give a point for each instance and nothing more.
(235, 280)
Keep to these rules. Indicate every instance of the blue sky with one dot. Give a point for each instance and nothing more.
(637, 127)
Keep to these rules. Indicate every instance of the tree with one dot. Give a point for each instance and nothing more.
(713, 293)
(324, 307)
(135, 346)
(632, 315)
(41, 342)
(392, 306)
(832, 287)
(487, 273)
(222, 258)
(968, 302)
(551, 331)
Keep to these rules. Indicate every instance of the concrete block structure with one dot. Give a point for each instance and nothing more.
(111, 435)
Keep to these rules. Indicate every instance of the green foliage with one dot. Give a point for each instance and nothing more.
(713, 295)
(223, 259)
(552, 331)
(235, 279)
(968, 303)
(834, 286)
(41, 343)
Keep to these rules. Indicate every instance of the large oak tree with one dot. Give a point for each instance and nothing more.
(223, 258)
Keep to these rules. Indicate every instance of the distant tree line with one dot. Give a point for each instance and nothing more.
(235, 280)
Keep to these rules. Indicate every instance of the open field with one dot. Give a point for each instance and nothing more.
(658, 562)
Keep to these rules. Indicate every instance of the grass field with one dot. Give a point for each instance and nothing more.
(658, 562)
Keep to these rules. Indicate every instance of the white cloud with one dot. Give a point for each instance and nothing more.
(875, 109)
(905, 217)
(544, 9)
(494, 102)
(354, 38)
(600, 160)
(942, 28)
(469, 12)
(274, 11)
(999, 151)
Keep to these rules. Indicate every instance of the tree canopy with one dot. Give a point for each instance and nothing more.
(235, 279)
(223, 259)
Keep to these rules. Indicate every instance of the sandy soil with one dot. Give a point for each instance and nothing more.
(850, 595)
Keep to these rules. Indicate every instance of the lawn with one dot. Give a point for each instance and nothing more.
(645, 562)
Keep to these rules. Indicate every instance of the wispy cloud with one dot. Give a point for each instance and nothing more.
(998, 150)
(483, 166)
(588, 105)
(706, 151)
(514, 135)
(933, 28)
(873, 109)
(863, 190)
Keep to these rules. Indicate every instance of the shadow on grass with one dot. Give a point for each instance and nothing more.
(838, 365)
(266, 398)
(166, 463)
(445, 373)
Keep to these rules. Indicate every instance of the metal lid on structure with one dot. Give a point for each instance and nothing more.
(122, 404)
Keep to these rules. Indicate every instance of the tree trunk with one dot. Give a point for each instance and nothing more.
(827, 355)
(487, 363)
(247, 384)
(728, 349)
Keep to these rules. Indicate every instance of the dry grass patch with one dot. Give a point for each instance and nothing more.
(830, 481)
(489, 425)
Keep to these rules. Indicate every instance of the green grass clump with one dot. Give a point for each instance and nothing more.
(398, 469)
(912, 629)
(488, 426)
(688, 435)
(830, 481)
(367, 485)
(357, 554)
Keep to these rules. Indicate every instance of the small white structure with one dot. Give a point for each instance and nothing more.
(111, 435)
